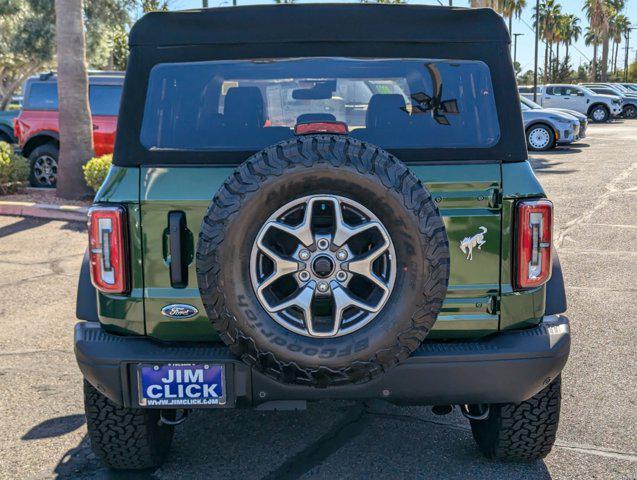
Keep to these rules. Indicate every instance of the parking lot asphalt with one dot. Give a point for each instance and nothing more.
(594, 187)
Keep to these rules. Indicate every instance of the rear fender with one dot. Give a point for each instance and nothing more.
(555, 291)
(41, 138)
(86, 305)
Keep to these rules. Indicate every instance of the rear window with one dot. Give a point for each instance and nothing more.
(42, 96)
(249, 104)
(104, 99)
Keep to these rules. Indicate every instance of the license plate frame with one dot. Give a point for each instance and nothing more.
(149, 374)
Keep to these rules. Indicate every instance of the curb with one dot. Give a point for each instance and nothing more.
(44, 210)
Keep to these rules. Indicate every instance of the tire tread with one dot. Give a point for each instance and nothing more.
(336, 152)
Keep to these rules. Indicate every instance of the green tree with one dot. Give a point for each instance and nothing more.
(599, 14)
(632, 72)
(120, 49)
(494, 4)
(510, 9)
(26, 43)
(549, 14)
(27, 33)
(592, 38)
(572, 31)
(526, 78)
(619, 25)
(154, 5)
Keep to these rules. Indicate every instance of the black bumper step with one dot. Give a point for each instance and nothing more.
(509, 366)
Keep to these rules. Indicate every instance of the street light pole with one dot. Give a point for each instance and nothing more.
(515, 47)
(537, 38)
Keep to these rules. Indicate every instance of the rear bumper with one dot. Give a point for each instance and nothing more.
(510, 366)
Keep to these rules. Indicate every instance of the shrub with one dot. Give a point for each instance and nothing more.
(96, 169)
(14, 170)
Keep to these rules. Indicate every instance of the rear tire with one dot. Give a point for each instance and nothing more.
(44, 166)
(125, 438)
(521, 431)
(599, 114)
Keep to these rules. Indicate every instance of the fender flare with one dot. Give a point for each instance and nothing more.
(595, 104)
(42, 134)
(8, 132)
(86, 305)
(555, 291)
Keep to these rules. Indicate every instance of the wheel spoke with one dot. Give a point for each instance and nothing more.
(301, 232)
(302, 300)
(342, 300)
(282, 266)
(342, 231)
(363, 265)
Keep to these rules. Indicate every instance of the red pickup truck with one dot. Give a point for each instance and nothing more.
(37, 126)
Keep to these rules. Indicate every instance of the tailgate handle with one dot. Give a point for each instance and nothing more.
(178, 238)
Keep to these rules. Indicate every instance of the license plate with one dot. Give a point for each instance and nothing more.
(181, 385)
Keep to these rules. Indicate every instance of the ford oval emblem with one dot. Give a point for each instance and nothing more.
(179, 310)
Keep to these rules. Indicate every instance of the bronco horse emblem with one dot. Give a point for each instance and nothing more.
(469, 243)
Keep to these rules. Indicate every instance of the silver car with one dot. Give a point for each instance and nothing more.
(583, 119)
(547, 128)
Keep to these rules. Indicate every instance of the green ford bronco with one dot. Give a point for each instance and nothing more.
(315, 202)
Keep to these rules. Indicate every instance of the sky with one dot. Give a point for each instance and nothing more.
(580, 54)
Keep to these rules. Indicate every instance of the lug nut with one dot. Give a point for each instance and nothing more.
(304, 254)
(341, 255)
(341, 276)
(304, 276)
(323, 243)
(323, 287)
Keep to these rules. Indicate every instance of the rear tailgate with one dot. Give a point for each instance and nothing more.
(467, 195)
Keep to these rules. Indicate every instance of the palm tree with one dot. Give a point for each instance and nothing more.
(592, 38)
(494, 4)
(76, 131)
(549, 15)
(599, 13)
(572, 31)
(511, 8)
(619, 25)
(559, 35)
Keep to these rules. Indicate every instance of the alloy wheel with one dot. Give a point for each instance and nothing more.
(45, 170)
(323, 266)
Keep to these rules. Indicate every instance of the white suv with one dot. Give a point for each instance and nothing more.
(598, 107)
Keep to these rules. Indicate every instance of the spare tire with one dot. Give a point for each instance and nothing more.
(322, 261)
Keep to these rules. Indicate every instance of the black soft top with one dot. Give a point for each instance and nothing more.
(320, 23)
(319, 30)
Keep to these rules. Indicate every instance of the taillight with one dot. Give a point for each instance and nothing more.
(107, 248)
(320, 127)
(534, 242)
